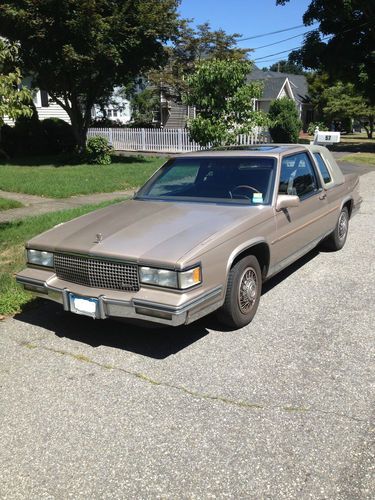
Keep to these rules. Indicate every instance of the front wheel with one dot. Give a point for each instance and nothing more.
(336, 240)
(243, 293)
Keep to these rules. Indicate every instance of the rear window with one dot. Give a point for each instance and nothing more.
(323, 168)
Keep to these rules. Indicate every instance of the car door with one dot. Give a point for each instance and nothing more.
(298, 229)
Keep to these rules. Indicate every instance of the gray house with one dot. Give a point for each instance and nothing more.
(276, 86)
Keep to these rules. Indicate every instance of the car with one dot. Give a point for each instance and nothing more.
(201, 236)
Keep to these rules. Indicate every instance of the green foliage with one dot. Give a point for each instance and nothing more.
(30, 136)
(190, 47)
(313, 125)
(144, 105)
(224, 102)
(98, 151)
(343, 102)
(285, 122)
(26, 137)
(59, 136)
(343, 45)
(79, 50)
(14, 101)
(286, 66)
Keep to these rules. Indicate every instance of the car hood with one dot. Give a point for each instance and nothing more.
(146, 231)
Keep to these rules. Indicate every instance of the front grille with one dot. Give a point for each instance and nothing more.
(97, 273)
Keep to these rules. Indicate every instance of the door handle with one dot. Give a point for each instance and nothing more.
(323, 196)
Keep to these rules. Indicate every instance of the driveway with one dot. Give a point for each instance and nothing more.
(280, 409)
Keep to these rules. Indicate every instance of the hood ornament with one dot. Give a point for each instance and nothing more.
(99, 238)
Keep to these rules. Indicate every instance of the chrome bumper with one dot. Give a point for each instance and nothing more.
(134, 309)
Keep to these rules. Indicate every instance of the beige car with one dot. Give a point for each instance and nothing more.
(200, 236)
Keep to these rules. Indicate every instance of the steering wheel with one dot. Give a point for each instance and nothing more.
(243, 186)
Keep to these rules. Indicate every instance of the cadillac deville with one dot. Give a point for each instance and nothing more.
(201, 235)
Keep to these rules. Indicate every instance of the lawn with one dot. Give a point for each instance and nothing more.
(12, 259)
(56, 178)
(366, 158)
(6, 204)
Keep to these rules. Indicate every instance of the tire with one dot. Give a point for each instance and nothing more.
(239, 309)
(336, 240)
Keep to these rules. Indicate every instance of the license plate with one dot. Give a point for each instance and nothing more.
(83, 305)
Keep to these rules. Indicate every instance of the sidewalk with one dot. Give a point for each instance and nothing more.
(36, 205)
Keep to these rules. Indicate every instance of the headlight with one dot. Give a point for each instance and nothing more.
(40, 258)
(170, 279)
(160, 277)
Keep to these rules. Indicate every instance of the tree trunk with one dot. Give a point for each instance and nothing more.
(370, 127)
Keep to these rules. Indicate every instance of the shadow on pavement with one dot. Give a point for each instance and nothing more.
(144, 339)
(155, 342)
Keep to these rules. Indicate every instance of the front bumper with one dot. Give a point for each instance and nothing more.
(189, 310)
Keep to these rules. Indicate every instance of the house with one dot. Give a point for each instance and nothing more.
(117, 109)
(45, 108)
(276, 86)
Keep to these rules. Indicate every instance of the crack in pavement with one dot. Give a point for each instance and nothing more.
(200, 395)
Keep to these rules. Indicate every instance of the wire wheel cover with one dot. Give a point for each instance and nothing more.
(247, 290)
(343, 225)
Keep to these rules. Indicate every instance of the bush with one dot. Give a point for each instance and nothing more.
(59, 136)
(312, 126)
(26, 137)
(285, 123)
(98, 151)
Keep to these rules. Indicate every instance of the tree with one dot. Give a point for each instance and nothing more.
(224, 102)
(78, 50)
(286, 66)
(318, 82)
(190, 48)
(15, 101)
(344, 43)
(285, 122)
(144, 104)
(344, 103)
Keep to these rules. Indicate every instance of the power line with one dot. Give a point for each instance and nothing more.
(270, 33)
(321, 39)
(283, 40)
(283, 51)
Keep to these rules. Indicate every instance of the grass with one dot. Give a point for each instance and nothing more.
(12, 259)
(54, 177)
(6, 204)
(366, 158)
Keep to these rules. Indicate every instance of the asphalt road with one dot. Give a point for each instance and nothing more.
(280, 409)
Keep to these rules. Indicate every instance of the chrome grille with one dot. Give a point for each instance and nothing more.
(96, 273)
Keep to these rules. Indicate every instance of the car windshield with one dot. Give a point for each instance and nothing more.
(233, 180)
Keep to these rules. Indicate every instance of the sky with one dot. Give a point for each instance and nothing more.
(251, 18)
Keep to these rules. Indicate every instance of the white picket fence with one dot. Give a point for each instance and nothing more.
(164, 140)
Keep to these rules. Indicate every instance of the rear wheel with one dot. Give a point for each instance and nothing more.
(336, 240)
(243, 293)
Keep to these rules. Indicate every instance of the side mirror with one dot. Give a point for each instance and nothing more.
(286, 201)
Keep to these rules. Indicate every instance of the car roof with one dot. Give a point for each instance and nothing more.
(270, 150)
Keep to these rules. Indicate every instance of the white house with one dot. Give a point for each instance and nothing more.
(45, 108)
(117, 109)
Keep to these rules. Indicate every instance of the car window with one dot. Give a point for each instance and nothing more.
(323, 168)
(235, 180)
(175, 179)
(297, 176)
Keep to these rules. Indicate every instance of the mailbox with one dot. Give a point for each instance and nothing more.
(325, 138)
